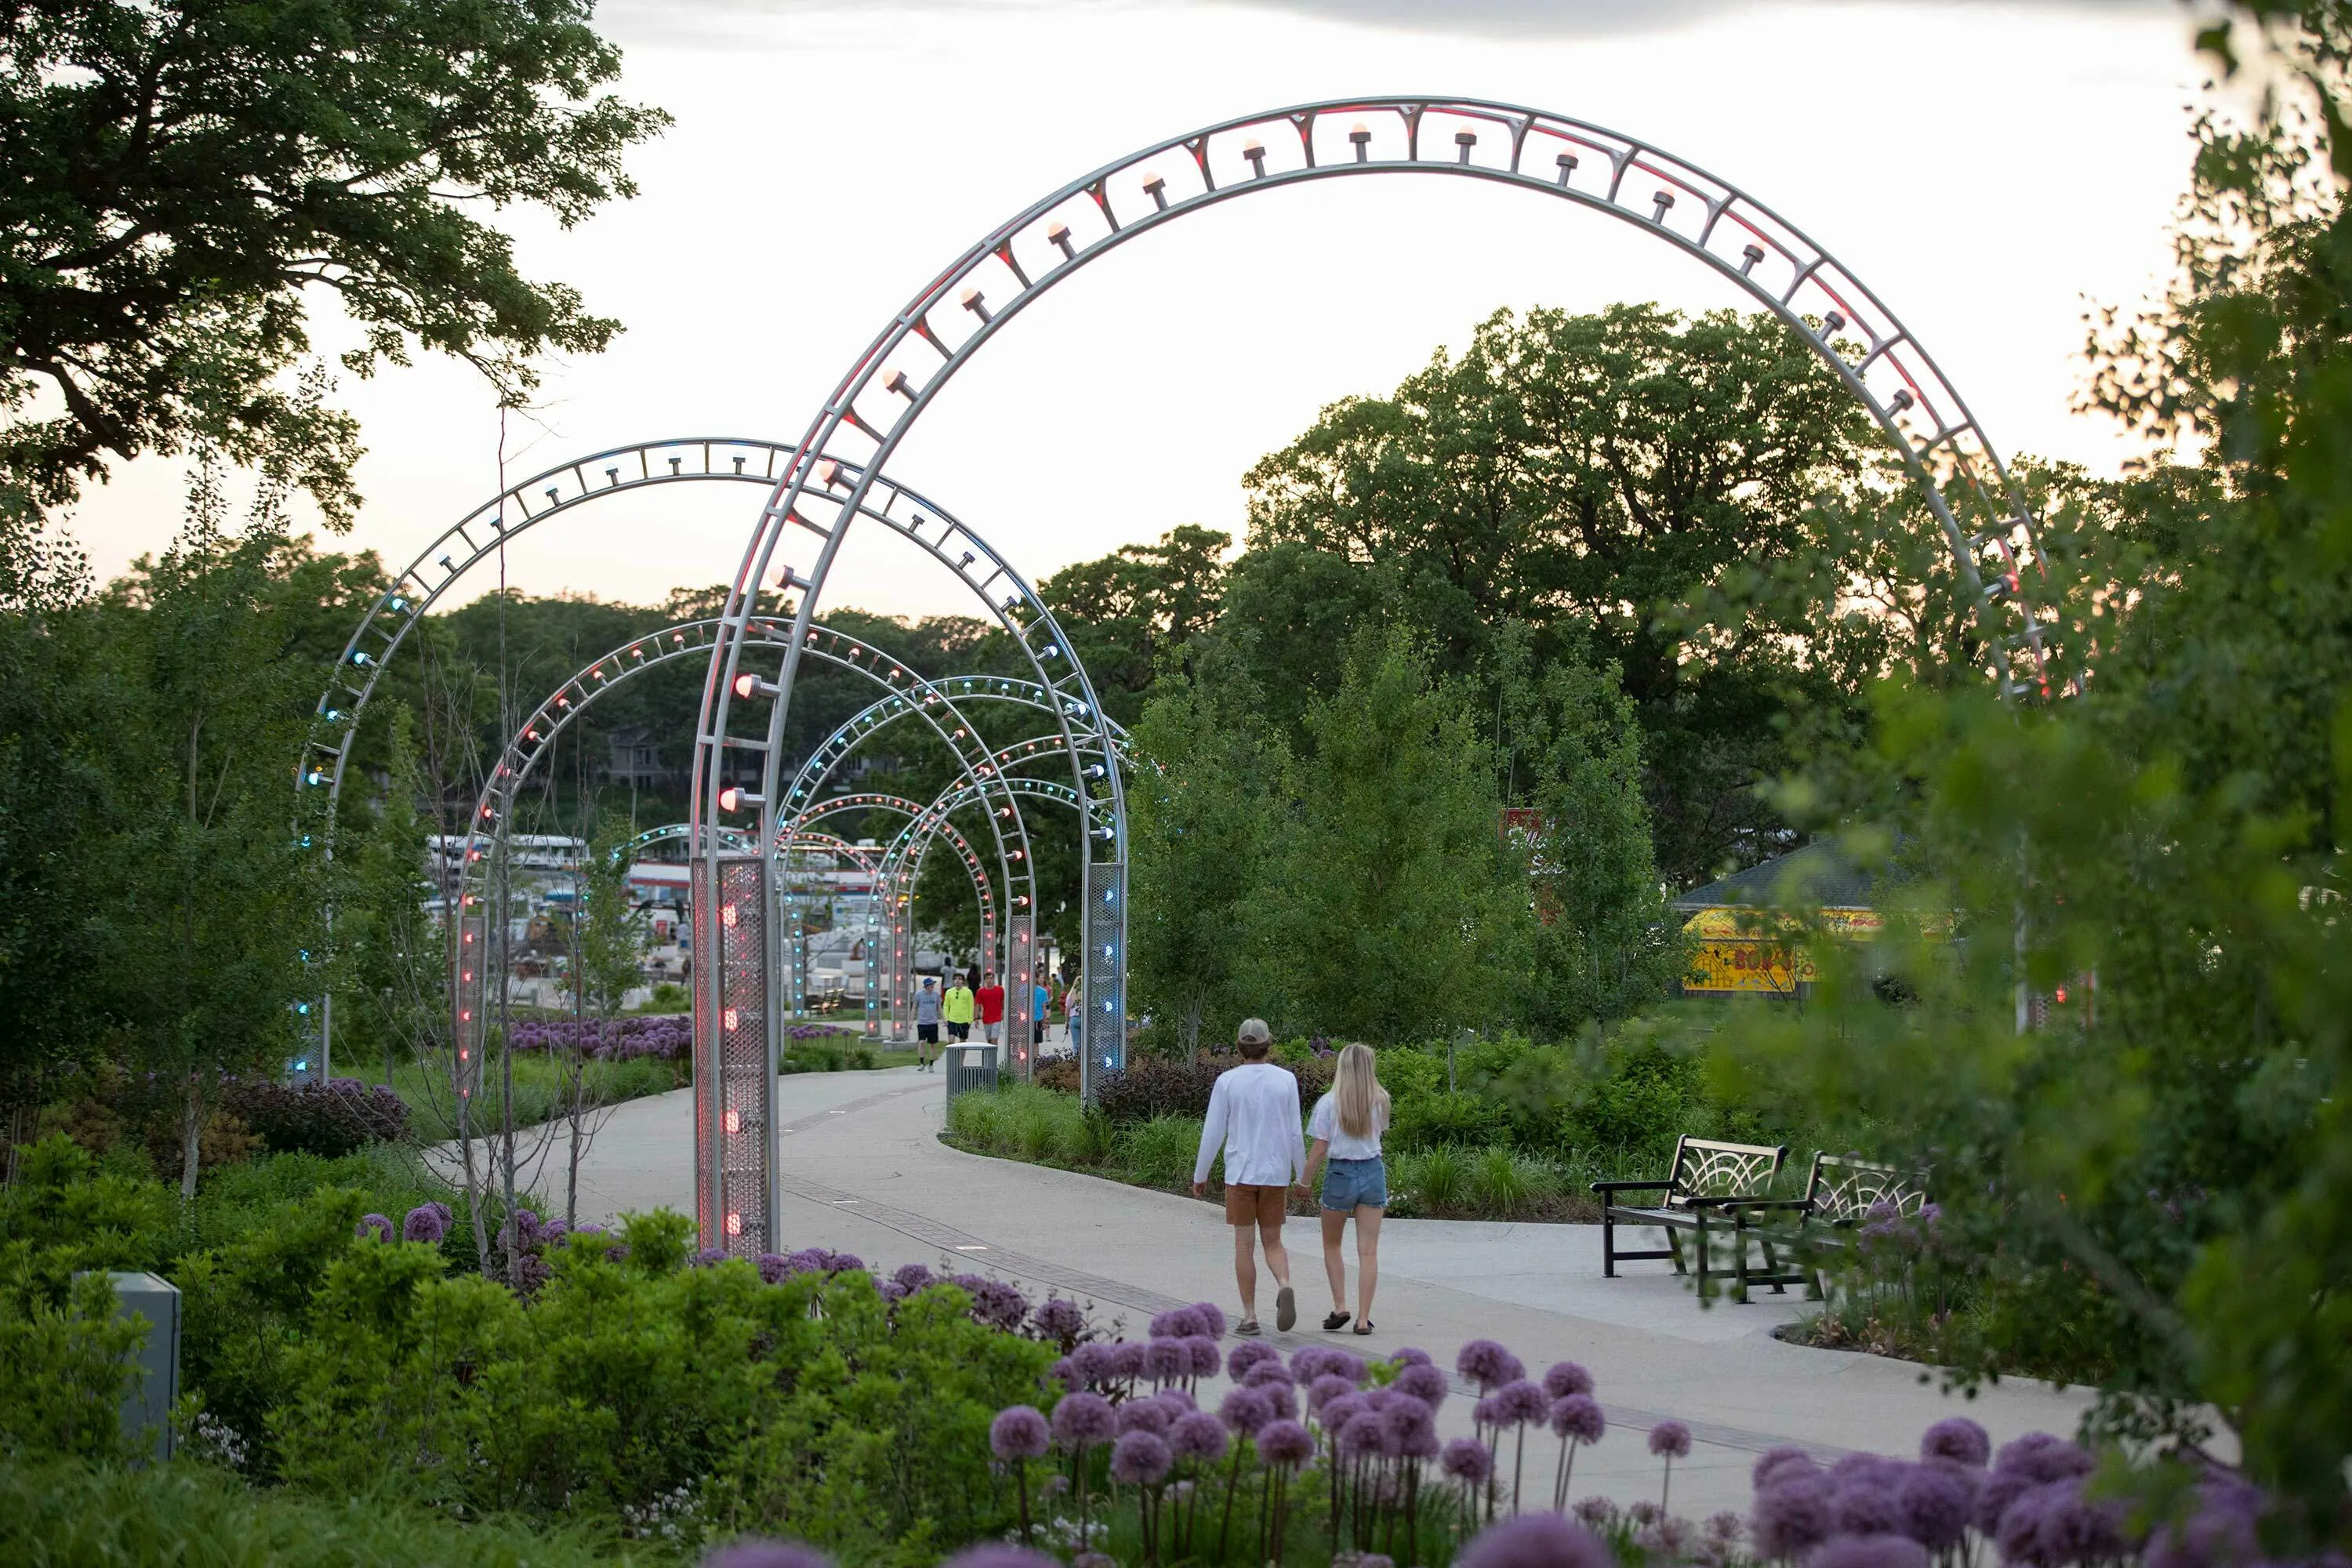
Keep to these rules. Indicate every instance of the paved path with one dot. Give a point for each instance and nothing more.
(864, 1171)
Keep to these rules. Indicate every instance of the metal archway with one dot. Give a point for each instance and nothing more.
(487, 827)
(669, 830)
(809, 782)
(1959, 471)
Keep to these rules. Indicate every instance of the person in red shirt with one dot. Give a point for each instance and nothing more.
(989, 1001)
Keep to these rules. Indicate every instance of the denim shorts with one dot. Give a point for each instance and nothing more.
(1351, 1184)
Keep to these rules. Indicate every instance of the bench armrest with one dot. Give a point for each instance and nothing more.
(1746, 1204)
(1632, 1186)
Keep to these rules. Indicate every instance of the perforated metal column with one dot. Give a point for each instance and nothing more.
(901, 957)
(1103, 989)
(1020, 994)
(734, 1077)
(469, 963)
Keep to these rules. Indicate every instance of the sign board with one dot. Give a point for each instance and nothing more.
(1754, 952)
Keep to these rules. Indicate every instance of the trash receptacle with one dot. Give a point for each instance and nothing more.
(970, 1066)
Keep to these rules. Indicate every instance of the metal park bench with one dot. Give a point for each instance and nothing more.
(1707, 1177)
(1843, 1193)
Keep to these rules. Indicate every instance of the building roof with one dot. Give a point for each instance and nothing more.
(1817, 874)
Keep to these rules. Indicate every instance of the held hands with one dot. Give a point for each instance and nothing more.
(1200, 1189)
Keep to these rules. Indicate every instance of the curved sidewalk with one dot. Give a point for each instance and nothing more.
(864, 1171)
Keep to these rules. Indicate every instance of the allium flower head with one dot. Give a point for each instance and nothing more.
(425, 1223)
(373, 1224)
(1791, 1515)
(1082, 1420)
(1123, 1359)
(1777, 1462)
(1247, 1354)
(1410, 1429)
(913, 1277)
(1579, 1416)
(1197, 1435)
(1566, 1378)
(1412, 1355)
(1520, 1402)
(1308, 1362)
(1351, 1367)
(1246, 1410)
(1466, 1460)
(709, 1257)
(1363, 1434)
(1338, 1411)
(1019, 1432)
(1284, 1442)
(1863, 1504)
(2039, 1457)
(1880, 1551)
(1423, 1382)
(2018, 1535)
(2219, 1535)
(1203, 1359)
(754, 1552)
(1176, 1323)
(1283, 1399)
(1140, 1458)
(1999, 1491)
(1935, 1503)
(1488, 1364)
(1144, 1416)
(2079, 1529)
(1598, 1512)
(1059, 1320)
(1176, 1402)
(1327, 1388)
(1092, 1362)
(1535, 1541)
(1000, 1555)
(1670, 1438)
(1166, 1361)
(1265, 1372)
(1211, 1319)
(1958, 1438)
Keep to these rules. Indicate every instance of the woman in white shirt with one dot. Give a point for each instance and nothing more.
(1346, 1127)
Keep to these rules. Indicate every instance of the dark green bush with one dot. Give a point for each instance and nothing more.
(330, 1118)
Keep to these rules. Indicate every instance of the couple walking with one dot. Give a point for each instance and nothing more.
(1254, 1119)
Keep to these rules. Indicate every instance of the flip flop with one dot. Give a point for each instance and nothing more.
(1285, 1308)
(1336, 1321)
(1247, 1327)
(1364, 1327)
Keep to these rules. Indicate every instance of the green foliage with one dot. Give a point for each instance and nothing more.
(70, 1364)
(182, 174)
(78, 1516)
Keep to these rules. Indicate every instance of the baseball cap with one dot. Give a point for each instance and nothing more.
(1254, 1032)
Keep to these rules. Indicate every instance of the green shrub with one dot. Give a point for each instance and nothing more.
(1438, 1179)
(1159, 1153)
(1428, 1120)
(1499, 1185)
(70, 1365)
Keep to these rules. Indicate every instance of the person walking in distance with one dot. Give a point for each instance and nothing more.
(988, 1000)
(955, 1010)
(1346, 1127)
(1039, 995)
(1074, 1016)
(1254, 1118)
(926, 1023)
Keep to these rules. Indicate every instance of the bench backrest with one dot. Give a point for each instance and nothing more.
(1843, 1190)
(1709, 1168)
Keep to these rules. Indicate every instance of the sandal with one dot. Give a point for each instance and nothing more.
(1247, 1328)
(1336, 1321)
(1285, 1308)
(1365, 1327)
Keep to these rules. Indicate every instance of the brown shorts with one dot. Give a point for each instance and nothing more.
(1248, 1204)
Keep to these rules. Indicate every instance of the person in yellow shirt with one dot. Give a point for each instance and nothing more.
(956, 1009)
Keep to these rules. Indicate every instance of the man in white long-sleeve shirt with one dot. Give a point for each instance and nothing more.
(1254, 1118)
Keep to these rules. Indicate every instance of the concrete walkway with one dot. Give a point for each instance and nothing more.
(864, 1171)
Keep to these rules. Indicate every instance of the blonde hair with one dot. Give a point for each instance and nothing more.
(1358, 1091)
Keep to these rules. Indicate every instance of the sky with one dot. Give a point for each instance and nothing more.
(1990, 170)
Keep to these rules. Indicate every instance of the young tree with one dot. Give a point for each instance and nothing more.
(1201, 829)
(607, 942)
(1396, 909)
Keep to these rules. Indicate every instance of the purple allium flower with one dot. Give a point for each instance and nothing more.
(1670, 1438)
(1059, 1320)
(1936, 1501)
(1284, 1442)
(1246, 1410)
(1166, 1361)
(1327, 1388)
(2041, 1458)
(1958, 1438)
(709, 1257)
(1467, 1460)
(2079, 1529)
(1092, 1362)
(914, 1277)
(1535, 1541)
(1177, 1323)
(1520, 1402)
(1597, 1512)
(1247, 1354)
(997, 1305)
(1019, 1432)
(1488, 1364)
(1140, 1459)
(844, 1263)
(1777, 1462)
(373, 1224)
(772, 1267)
(1307, 1362)
(1862, 1503)
(2020, 1533)
(1000, 1555)
(1579, 1416)
(1999, 1489)
(1566, 1378)
(1206, 1359)
(426, 1224)
(1351, 1367)
(1339, 1410)
(1425, 1383)
(1791, 1515)
(1065, 1373)
(1363, 1434)
(1412, 1355)
(1123, 1359)
(1144, 1416)
(1486, 1413)
(1869, 1552)
(2221, 1533)
(1211, 1318)
(1410, 1429)
(1197, 1435)
(755, 1551)
(1082, 1420)
(1268, 1372)
(1177, 1402)
(1284, 1400)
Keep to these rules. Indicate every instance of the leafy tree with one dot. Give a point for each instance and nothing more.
(1126, 611)
(182, 178)
(1202, 833)
(1395, 908)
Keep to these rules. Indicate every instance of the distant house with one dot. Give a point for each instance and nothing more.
(1747, 926)
(634, 762)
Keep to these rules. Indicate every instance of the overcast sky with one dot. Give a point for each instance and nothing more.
(1988, 169)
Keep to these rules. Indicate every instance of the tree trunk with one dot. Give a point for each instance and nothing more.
(191, 1128)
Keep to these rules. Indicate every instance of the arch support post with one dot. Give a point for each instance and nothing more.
(735, 1048)
(1020, 1059)
(1102, 990)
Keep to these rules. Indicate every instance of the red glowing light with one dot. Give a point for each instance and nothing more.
(734, 1121)
(732, 1021)
(734, 1224)
(727, 917)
